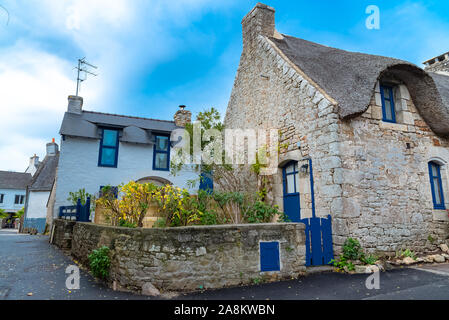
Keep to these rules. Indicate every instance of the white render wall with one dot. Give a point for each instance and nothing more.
(8, 200)
(78, 168)
(37, 204)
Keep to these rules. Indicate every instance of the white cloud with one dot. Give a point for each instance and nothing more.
(33, 87)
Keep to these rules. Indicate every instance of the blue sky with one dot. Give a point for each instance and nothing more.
(155, 55)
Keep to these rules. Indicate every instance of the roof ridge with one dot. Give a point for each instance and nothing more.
(126, 116)
(348, 51)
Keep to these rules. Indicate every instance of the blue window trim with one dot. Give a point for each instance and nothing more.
(159, 151)
(284, 178)
(108, 147)
(391, 99)
(437, 206)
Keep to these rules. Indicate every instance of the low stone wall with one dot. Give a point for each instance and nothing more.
(62, 233)
(191, 258)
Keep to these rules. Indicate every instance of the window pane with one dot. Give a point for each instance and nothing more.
(290, 183)
(297, 181)
(162, 143)
(110, 138)
(388, 111)
(436, 188)
(108, 156)
(161, 161)
(290, 168)
(386, 93)
(434, 170)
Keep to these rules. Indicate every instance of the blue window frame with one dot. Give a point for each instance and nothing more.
(161, 153)
(436, 186)
(108, 155)
(388, 111)
(291, 178)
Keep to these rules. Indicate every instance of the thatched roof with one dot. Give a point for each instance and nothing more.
(350, 78)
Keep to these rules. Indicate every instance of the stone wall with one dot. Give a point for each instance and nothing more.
(190, 258)
(62, 233)
(269, 93)
(387, 200)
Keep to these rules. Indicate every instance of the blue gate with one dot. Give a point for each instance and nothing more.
(319, 250)
(78, 213)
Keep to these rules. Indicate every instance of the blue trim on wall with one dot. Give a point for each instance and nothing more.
(436, 206)
(158, 151)
(108, 147)
(391, 99)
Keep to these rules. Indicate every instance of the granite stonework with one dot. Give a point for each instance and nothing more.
(62, 233)
(371, 176)
(189, 258)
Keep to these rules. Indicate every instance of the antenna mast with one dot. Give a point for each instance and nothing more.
(82, 67)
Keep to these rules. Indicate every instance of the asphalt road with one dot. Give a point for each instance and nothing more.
(29, 265)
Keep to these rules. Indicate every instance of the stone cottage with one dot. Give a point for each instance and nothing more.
(363, 138)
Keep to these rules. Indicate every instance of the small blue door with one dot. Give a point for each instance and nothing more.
(291, 191)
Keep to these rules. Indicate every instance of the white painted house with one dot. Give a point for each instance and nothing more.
(99, 149)
(38, 191)
(13, 191)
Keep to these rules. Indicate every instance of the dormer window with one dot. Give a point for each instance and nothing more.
(108, 148)
(161, 153)
(388, 111)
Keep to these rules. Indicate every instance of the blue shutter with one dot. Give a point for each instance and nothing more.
(269, 256)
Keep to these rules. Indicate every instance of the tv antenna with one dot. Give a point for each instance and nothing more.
(83, 66)
(7, 12)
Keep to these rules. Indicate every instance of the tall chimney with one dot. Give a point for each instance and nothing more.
(438, 64)
(52, 148)
(182, 116)
(32, 166)
(259, 21)
(75, 104)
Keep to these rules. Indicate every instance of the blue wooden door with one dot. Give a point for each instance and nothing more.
(319, 247)
(291, 191)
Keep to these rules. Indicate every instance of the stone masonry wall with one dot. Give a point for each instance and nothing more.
(387, 201)
(190, 258)
(270, 93)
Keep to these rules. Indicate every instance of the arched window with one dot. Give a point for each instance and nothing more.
(436, 185)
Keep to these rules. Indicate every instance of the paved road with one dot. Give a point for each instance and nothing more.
(28, 264)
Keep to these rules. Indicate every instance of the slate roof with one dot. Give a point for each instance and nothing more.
(45, 174)
(135, 129)
(350, 78)
(14, 180)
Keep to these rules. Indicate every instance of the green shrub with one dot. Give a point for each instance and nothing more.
(100, 262)
(352, 250)
(406, 253)
(370, 259)
(126, 224)
(160, 223)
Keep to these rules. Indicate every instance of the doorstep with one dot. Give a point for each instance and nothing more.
(319, 269)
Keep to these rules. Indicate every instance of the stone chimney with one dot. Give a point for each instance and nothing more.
(182, 116)
(438, 64)
(75, 104)
(259, 21)
(34, 161)
(52, 148)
